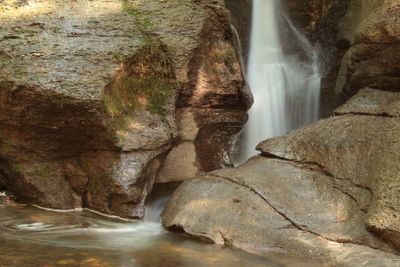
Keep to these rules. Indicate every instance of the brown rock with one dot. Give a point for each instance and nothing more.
(207, 143)
(240, 12)
(92, 106)
(372, 29)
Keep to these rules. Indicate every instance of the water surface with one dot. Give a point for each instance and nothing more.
(33, 237)
(30, 236)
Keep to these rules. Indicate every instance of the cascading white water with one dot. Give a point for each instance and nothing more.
(285, 85)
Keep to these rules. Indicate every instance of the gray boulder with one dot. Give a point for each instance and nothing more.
(329, 190)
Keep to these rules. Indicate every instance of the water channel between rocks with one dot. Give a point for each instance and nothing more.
(30, 236)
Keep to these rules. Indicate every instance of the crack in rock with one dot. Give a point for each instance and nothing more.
(300, 227)
(378, 114)
(315, 166)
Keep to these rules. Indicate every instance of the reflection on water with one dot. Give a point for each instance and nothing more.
(34, 237)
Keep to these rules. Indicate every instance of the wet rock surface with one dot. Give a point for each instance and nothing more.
(329, 190)
(319, 21)
(88, 92)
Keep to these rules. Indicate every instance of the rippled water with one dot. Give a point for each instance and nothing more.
(30, 236)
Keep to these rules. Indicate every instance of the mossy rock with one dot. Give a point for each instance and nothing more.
(146, 81)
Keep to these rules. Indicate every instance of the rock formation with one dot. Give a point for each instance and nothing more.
(358, 41)
(329, 190)
(90, 92)
(372, 30)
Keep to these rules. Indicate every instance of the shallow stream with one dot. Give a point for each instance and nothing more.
(30, 236)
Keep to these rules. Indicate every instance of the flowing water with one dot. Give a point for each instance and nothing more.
(39, 238)
(283, 77)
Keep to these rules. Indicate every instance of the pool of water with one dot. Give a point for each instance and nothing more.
(30, 236)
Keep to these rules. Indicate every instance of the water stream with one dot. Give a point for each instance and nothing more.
(283, 77)
(33, 237)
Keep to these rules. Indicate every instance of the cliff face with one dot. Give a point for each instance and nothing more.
(90, 93)
(372, 30)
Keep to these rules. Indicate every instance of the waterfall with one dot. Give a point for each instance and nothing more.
(283, 76)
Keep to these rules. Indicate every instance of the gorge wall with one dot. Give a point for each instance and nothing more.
(97, 98)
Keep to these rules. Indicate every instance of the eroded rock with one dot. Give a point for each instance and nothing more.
(321, 190)
(273, 205)
(88, 93)
(362, 150)
(372, 29)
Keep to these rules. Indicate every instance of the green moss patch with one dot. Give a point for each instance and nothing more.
(146, 81)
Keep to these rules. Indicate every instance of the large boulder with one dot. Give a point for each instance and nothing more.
(329, 190)
(270, 205)
(361, 149)
(89, 89)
